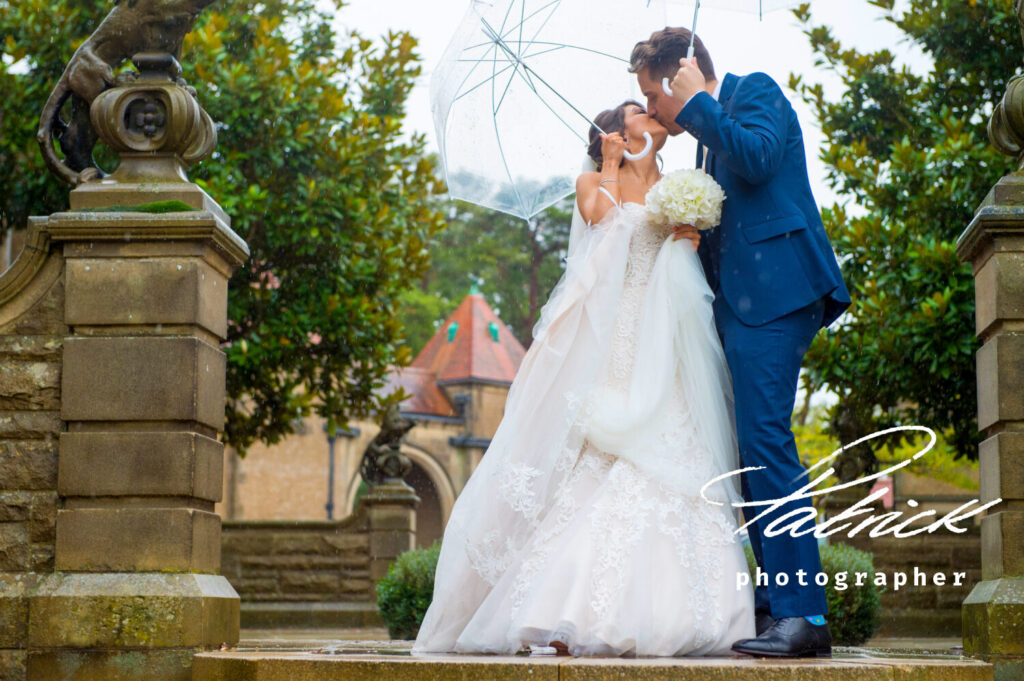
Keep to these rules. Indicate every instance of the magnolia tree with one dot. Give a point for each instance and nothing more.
(338, 206)
(910, 152)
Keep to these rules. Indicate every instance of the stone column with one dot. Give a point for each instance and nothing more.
(391, 520)
(993, 613)
(136, 589)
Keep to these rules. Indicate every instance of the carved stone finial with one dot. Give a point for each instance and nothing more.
(1006, 127)
(152, 30)
(383, 461)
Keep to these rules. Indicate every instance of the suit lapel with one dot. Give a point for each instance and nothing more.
(729, 82)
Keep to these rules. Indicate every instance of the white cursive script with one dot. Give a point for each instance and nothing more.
(801, 521)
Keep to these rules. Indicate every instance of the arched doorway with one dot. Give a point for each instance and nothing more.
(429, 516)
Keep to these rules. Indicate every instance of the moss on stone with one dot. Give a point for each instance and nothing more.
(152, 207)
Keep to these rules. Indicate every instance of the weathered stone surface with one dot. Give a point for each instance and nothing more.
(30, 425)
(170, 290)
(14, 547)
(994, 618)
(1002, 542)
(1001, 380)
(149, 610)
(1001, 460)
(42, 517)
(138, 539)
(270, 666)
(40, 312)
(104, 665)
(13, 665)
(143, 379)
(999, 290)
(15, 506)
(31, 348)
(15, 588)
(141, 464)
(29, 385)
(28, 464)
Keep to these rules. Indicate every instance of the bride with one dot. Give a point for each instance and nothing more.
(584, 526)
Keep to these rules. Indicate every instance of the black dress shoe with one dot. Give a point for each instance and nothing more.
(789, 637)
(762, 621)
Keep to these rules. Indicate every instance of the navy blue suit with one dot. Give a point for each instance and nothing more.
(776, 283)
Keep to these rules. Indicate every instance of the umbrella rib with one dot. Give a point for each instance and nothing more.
(501, 148)
(501, 43)
(526, 77)
(558, 46)
(481, 83)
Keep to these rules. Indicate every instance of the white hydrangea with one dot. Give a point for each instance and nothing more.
(686, 197)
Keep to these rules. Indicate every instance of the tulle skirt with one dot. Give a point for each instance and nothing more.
(591, 519)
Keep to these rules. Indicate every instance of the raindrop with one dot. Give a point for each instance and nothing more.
(86, 268)
(179, 267)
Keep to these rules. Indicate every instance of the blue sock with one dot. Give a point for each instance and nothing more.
(815, 619)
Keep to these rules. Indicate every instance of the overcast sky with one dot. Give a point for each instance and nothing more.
(738, 43)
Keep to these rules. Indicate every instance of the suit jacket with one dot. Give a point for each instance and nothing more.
(770, 255)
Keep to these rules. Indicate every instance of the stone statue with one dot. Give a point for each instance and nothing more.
(383, 460)
(132, 27)
(1006, 127)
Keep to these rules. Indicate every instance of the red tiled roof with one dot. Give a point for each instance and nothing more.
(427, 397)
(472, 354)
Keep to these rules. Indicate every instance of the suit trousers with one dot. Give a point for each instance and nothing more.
(764, 362)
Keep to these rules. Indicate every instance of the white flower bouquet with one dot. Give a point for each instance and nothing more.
(686, 197)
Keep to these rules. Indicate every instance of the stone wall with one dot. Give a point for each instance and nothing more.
(317, 573)
(929, 610)
(32, 334)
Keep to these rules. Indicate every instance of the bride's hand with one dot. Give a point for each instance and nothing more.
(687, 232)
(612, 147)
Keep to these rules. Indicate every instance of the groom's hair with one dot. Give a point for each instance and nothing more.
(660, 54)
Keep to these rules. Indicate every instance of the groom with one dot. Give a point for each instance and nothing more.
(776, 283)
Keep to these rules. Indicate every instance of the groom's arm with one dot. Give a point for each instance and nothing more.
(751, 139)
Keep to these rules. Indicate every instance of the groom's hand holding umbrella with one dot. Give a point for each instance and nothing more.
(688, 81)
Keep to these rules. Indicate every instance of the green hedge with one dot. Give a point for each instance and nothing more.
(852, 611)
(404, 594)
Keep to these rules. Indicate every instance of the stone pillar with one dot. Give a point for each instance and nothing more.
(993, 613)
(136, 589)
(391, 518)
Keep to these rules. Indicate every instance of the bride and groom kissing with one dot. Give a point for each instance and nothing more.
(664, 358)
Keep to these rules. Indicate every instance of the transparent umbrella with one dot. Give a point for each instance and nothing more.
(758, 7)
(515, 92)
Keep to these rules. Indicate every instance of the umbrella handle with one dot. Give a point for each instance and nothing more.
(647, 149)
(664, 81)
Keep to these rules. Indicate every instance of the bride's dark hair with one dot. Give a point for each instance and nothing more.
(611, 120)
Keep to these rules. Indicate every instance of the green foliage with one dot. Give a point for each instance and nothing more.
(337, 206)
(852, 610)
(815, 442)
(404, 594)
(910, 152)
(514, 263)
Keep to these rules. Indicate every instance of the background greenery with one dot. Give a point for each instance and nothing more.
(405, 592)
(515, 264)
(909, 155)
(337, 206)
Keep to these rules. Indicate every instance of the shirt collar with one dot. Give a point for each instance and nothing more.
(718, 90)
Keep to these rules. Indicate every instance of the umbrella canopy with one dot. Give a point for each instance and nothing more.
(514, 92)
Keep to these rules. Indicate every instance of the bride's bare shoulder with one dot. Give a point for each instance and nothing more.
(587, 180)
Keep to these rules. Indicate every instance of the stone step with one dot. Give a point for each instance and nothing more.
(853, 665)
(314, 615)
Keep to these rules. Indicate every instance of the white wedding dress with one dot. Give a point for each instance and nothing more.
(584, 522)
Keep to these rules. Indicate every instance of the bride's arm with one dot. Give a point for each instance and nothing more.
(593, 203)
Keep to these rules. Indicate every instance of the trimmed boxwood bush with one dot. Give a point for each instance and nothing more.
(404, 594)
(853, 611)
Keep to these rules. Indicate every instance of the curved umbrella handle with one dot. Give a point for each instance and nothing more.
(647, 149)
(689, 55)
